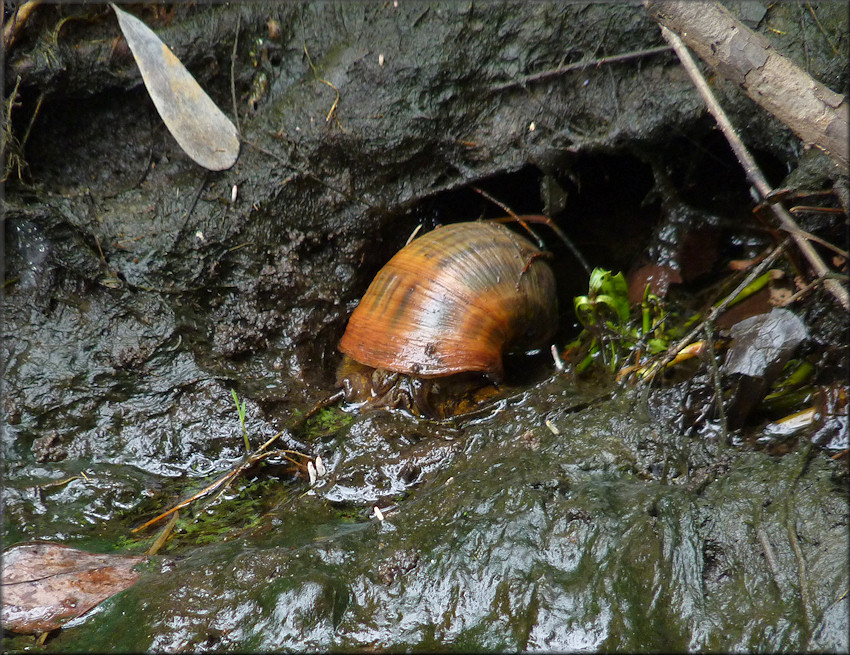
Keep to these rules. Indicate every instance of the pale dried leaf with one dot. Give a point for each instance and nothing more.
(193, 119)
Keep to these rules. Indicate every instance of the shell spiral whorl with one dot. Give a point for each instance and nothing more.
(454, 300)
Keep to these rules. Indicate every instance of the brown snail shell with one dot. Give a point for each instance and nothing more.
(453, 301)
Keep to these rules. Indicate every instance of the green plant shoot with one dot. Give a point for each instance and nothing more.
(240, 408)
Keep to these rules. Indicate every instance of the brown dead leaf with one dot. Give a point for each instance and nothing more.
(659, 278)
(45, 584)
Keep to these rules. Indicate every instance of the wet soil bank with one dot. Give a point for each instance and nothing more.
(569, 515)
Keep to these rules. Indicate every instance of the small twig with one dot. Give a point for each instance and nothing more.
(753, 173)
(146, 171)
(225, 480)
(323, 81)
(556, 358)
(498, 203)
(325, 402)
(543, 75)
(283, 453)
(12, 97)
(336, 101)
(233, 73)
(808, 56)
(778, 195)
(203, 492)
(718, 386)
(413, 234)
(99, 249)
(813, 209)
(820, 27)
(163, 536)
(811, 285)
(800, 209)
(540, 218)
(715, 311)
(269, 442)
(510, 212)
(60, 483)
(32, 120)
(769, 555)
(240, 246)
(813, 237)
(12, 155)
(215, 485)
(801, 572)
(10, 31)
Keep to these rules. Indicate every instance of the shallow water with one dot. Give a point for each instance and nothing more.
(497, 534)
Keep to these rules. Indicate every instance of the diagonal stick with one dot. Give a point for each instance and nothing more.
(754, 174)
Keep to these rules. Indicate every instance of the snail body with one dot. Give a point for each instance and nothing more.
(446, 308)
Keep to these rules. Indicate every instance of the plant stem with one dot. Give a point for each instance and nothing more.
(240, 409)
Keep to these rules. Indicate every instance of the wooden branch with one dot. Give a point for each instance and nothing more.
(753, 172)
(816, 114)
(579, 65)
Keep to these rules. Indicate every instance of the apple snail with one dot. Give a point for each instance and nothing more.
(442, 312)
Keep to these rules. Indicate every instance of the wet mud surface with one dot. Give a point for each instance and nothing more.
(569, 514)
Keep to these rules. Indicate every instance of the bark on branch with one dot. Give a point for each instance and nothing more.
(754, 174)
(816, 114)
